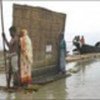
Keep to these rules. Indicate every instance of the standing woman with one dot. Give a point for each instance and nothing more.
(62, 53)
(26, 58)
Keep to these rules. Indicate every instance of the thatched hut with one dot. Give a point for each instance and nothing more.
(44, 27)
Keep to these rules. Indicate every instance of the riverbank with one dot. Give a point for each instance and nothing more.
(72, 58)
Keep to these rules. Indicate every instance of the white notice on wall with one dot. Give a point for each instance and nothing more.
(48, 48)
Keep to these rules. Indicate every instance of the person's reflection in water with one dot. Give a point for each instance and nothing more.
(54, 91)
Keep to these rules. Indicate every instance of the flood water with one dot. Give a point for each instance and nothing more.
(85, 84)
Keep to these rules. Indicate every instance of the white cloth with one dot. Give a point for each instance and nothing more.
(14, 63)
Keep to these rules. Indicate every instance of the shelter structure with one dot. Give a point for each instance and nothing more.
(44, 28)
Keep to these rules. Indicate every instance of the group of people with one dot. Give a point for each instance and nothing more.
(20, 57)
(79, 41)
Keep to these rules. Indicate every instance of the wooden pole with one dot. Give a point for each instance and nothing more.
(2, 25)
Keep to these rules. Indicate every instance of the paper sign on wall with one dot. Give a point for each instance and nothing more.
(48, 48)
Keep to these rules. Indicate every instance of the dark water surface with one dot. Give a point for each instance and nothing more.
(85, 84)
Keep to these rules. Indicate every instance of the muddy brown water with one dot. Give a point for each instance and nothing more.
(85, 84)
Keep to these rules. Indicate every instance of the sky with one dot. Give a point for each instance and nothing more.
(83, 17)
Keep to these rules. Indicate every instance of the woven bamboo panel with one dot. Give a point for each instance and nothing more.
(44, 27)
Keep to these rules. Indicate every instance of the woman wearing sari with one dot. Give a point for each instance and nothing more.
(62, 54)
(26, 58)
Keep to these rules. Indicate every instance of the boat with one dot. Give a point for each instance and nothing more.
(85, 48)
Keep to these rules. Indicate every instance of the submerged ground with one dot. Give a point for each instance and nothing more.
(84, 84)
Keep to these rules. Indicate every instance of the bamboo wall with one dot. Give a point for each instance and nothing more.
(44, 27)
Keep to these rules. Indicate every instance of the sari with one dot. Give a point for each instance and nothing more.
(26, 59)
(62, 55)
